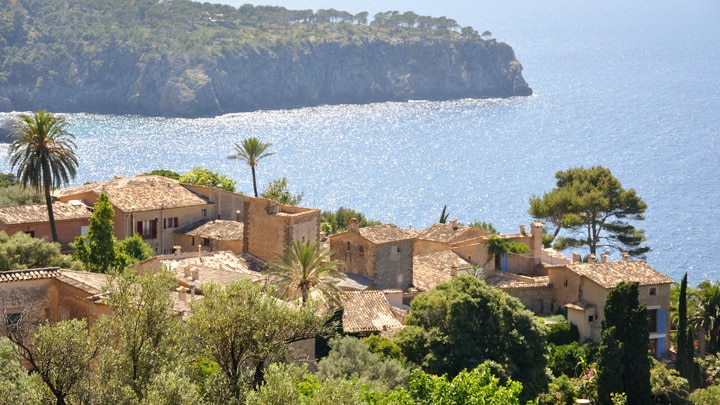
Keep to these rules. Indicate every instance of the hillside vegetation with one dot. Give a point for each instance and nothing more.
(187, 58)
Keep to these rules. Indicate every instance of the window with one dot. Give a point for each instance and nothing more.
(31, 233)
(206, 242)
(397, 249)
(653, 291)
(170, 222)
(147, 228)
(12, 320)
(652, 320)
(565, 283)
(361, 251)
(590, 318)
(192, 241)
(203, 212)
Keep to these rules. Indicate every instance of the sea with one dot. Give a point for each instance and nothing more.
(630, 85)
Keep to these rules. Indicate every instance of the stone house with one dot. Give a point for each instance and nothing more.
(441, 237)
(270, 226)
(151, 206)
(71, 220)
(51, 294)
(582, 289)
(382, 253)
(475, 250)
(211, 235)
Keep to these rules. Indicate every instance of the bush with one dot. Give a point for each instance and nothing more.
(562, 333)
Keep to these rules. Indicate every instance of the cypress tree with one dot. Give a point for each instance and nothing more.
(626, 338)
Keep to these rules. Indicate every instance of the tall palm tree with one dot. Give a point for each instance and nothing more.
(306, 267)
(252, 150)
(43, 152)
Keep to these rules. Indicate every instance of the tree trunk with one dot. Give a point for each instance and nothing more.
(254, 180)
(47, 185)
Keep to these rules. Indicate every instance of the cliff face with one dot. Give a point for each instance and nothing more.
(121, 81)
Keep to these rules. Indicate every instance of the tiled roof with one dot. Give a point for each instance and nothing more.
(28, 214)
(92, 283)
(580, 305)
(446, 233)
(501, 280)
(386, 233)
(432, 269)
(219, 267)
(140, 193)
(30, 274)
(217, 229)
(368, 311)
(610, 274)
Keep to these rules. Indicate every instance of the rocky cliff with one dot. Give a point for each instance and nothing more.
(177, 62)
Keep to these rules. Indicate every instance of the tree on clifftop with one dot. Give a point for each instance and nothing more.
(592, 205)
(252, 150)
(43, 152)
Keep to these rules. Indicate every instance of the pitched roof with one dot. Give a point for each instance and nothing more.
(29, 274)
(447, 233)
(386, 233)
(610, 274)
(368, 311)
(218, 229)
(91, 283)
(28, 214)
(432, 269)
(504, 280)
(218, 267)
(140, 193)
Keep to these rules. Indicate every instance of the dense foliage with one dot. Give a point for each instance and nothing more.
(336, 222)
(44, 37)
(464, 322)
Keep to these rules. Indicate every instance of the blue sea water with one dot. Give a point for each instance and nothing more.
(633, 86)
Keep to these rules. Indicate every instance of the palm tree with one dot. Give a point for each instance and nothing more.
(252, 150)
(305, 267)
(704, 314)
(43, 154)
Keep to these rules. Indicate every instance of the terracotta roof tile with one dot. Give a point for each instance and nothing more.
(368, 311)
(502, 280)
(610, 274)
(386, 233)
(140, 193)
(29, 274)
(217, 229)
(446, 233)
(28, 214)
(91, 283)
(219, 267)
(432, 269)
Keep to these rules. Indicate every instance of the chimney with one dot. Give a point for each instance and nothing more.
(453, 271)
(625, 256)
(591, 258)
(603, 257)
(354, 225)
(196, 274)
(182, 293)
(536, 230)
(453, 223)
(576, 257)
(186, 272)
(192, 291)
(178, 250)
(522, 230)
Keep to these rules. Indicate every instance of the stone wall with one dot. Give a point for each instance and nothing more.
(394, 265)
